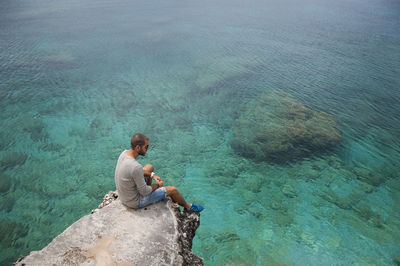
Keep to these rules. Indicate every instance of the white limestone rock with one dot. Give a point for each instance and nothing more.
(116, 235)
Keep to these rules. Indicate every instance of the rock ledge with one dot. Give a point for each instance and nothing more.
(115, 235)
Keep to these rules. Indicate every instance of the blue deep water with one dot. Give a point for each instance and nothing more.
(78, 78)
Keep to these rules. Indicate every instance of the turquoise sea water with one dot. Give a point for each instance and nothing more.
(78, 78)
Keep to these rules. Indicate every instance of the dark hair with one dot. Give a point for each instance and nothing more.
(138, 139)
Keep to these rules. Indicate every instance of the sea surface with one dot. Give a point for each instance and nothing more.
(79, 78)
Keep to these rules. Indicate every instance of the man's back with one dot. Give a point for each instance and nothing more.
(129, 181)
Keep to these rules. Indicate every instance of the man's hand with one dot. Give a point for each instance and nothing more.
(160, 183)
(156, 178)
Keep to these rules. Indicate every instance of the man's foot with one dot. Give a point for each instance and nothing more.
(194, 208)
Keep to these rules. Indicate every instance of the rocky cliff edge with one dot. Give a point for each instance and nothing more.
(115, 235)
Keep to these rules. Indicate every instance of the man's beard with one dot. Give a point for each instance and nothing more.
(142, 152)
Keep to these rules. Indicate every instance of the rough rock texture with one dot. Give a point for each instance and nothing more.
(116, 235)
(187, 225)
(275, 127)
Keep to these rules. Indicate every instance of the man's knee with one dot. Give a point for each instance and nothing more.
(171, 190)
(148, 169)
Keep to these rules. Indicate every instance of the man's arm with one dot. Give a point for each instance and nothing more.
(138, 177)
(152, 176)
(148, 178)
(156, 178)
(154, 187)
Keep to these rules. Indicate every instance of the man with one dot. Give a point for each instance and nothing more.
(133, 181)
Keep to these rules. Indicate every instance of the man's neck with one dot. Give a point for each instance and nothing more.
(132, 154)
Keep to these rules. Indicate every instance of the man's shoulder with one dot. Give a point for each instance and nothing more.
(125, 161)
(131, 162)
(123, 155)
(137, 168)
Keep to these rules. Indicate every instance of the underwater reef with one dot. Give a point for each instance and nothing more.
(277, 128)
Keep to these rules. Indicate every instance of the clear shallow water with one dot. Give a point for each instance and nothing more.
(77, 79)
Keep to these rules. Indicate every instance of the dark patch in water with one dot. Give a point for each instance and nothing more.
(52, 147)
(12, 159)
(227, 236)
(5, 182)
(11, 231)
(277, 128)
(35, 127)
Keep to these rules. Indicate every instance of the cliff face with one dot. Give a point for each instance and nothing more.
(116, 235)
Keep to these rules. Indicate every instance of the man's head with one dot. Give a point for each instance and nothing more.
(140, 144)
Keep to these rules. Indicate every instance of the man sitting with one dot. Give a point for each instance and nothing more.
(133, 181)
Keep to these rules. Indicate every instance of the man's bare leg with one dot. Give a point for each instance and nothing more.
(174, 194)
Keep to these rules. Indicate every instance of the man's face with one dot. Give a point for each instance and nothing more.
(143, 149)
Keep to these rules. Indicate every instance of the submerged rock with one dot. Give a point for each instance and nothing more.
(368, 176)
(35, 127)
(289, 191)
(277, 128)
(283, 219)
(12, 159)
(52, 147)
(11, 231)
(227, 236)
(116, 235)
(5, 183)
(396, 260)
(8, 200)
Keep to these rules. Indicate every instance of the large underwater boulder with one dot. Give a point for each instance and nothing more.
(277, 128)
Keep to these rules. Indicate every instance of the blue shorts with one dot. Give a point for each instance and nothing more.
(156, 195)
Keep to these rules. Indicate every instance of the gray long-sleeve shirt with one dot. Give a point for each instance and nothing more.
(129, 180)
